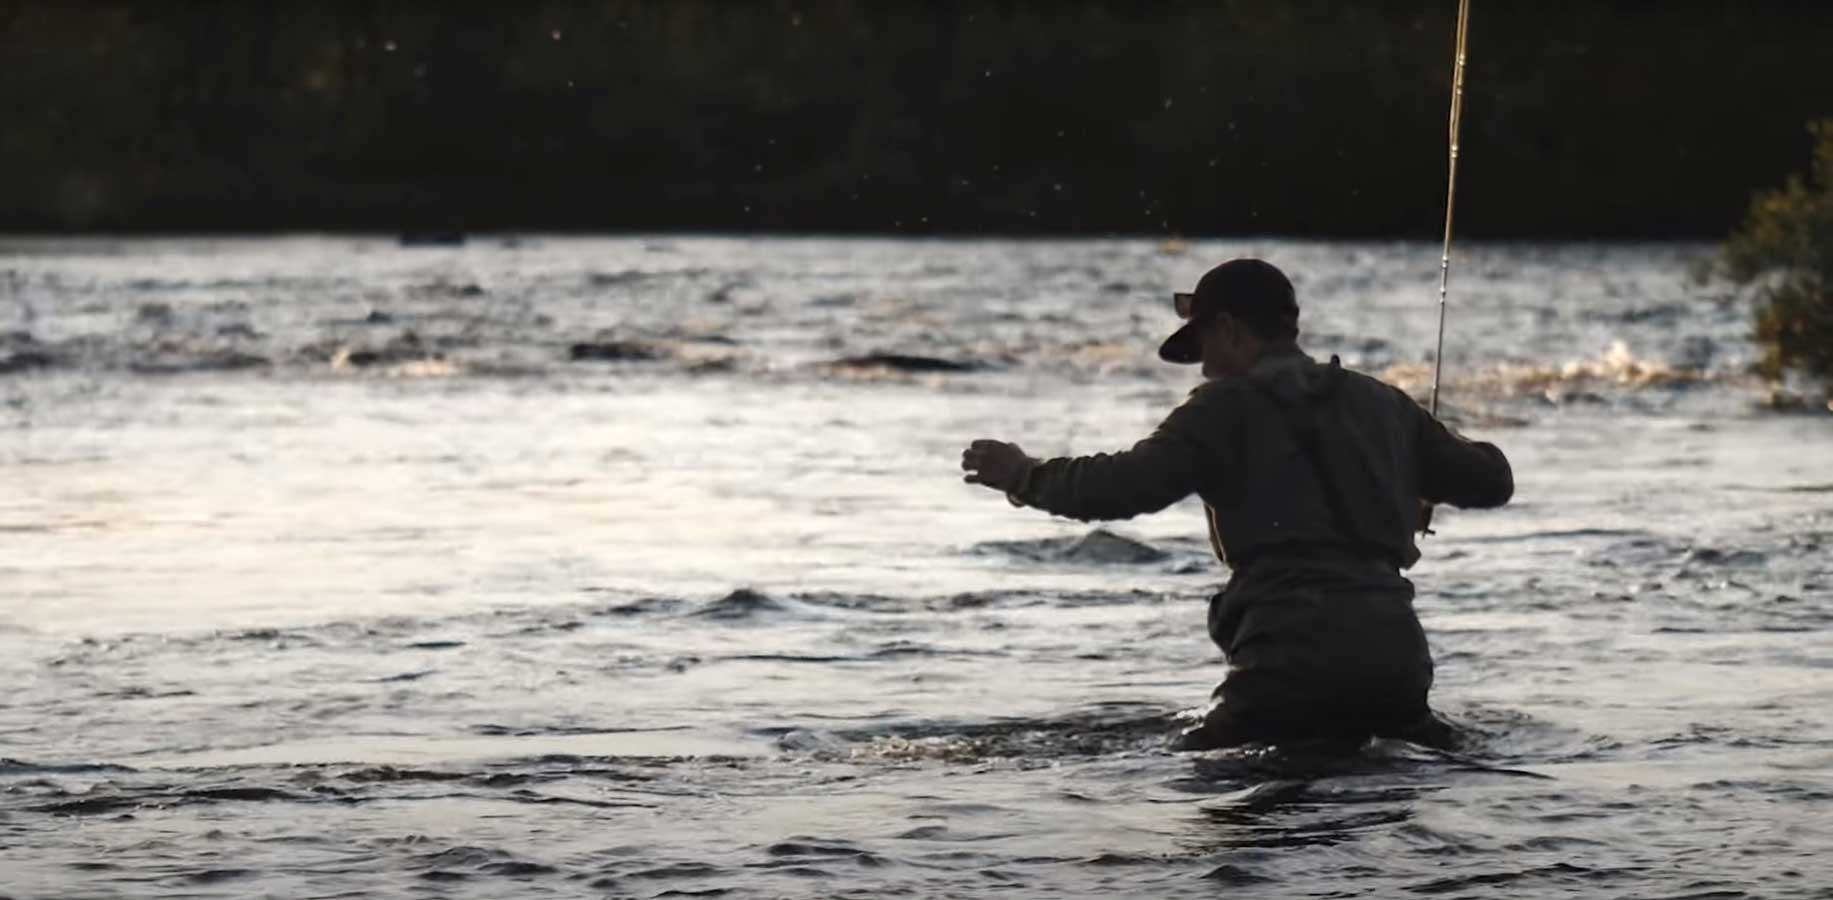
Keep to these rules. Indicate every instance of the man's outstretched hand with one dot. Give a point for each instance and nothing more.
(996, 464)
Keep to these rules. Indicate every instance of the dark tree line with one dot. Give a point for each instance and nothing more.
(1300, 117)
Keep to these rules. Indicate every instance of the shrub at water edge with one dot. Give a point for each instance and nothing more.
(1786, 246)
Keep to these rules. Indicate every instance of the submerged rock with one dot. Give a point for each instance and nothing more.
(406, 348)
(1098, 547)
(901, 362)
(802, 740)
(155, 313)
(25, 360)
(216, 361)
(1103, 546)
(740, 604)
(1714, 556)
(442, 288)
(609, 279)
(615, 351)
(713, 366)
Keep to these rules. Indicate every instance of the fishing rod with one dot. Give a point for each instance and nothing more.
(1444, 260)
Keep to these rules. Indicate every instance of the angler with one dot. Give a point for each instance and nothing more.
(1314, 479)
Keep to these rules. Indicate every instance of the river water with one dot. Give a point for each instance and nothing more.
(634, 567)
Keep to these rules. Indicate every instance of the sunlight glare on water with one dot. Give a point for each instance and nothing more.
(587, 567)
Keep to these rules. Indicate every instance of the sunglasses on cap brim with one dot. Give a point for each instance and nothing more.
(1184, 303)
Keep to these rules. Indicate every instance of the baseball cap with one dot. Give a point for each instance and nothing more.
(1252, 290)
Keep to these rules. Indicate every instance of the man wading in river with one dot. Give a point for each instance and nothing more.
(1314, 480)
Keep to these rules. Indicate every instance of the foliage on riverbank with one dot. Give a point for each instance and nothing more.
(1786, 247)
(1196, 117)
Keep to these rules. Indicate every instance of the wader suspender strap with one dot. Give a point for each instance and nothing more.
(1215, 533)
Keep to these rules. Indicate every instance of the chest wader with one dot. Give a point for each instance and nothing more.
(1322, 640)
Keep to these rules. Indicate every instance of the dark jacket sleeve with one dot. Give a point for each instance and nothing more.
(1468, 474)
(1157, 472)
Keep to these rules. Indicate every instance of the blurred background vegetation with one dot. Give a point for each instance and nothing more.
(1785, 246)
(1306, 117)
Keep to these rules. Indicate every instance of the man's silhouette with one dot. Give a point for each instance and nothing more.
(1314, 480)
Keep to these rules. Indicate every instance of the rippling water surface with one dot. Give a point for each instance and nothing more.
(568, 567)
